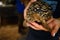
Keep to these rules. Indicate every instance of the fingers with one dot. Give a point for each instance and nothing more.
(56, 28)
(36, 26)
(33, 0)
(31, 26)
(51, 25)
(54, 25)
(54, 31)
(25, 10)
(49, 21)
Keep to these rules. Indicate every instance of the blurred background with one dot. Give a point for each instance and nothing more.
(8, 20)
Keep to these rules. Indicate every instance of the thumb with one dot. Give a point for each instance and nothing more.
(54, 31)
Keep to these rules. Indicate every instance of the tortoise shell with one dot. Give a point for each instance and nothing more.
(39, 12)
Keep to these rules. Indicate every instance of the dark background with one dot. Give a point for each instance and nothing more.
(8, 14)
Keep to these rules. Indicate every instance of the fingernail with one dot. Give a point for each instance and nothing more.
(53, 34)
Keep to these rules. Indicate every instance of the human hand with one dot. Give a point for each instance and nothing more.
(52, 23)
(35, 26)
(27, 7)
(33, 0)
(55, 26)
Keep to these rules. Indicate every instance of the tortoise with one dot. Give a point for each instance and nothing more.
(40, 12)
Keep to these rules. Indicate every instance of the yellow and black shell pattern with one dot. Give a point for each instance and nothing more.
(39, 12)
